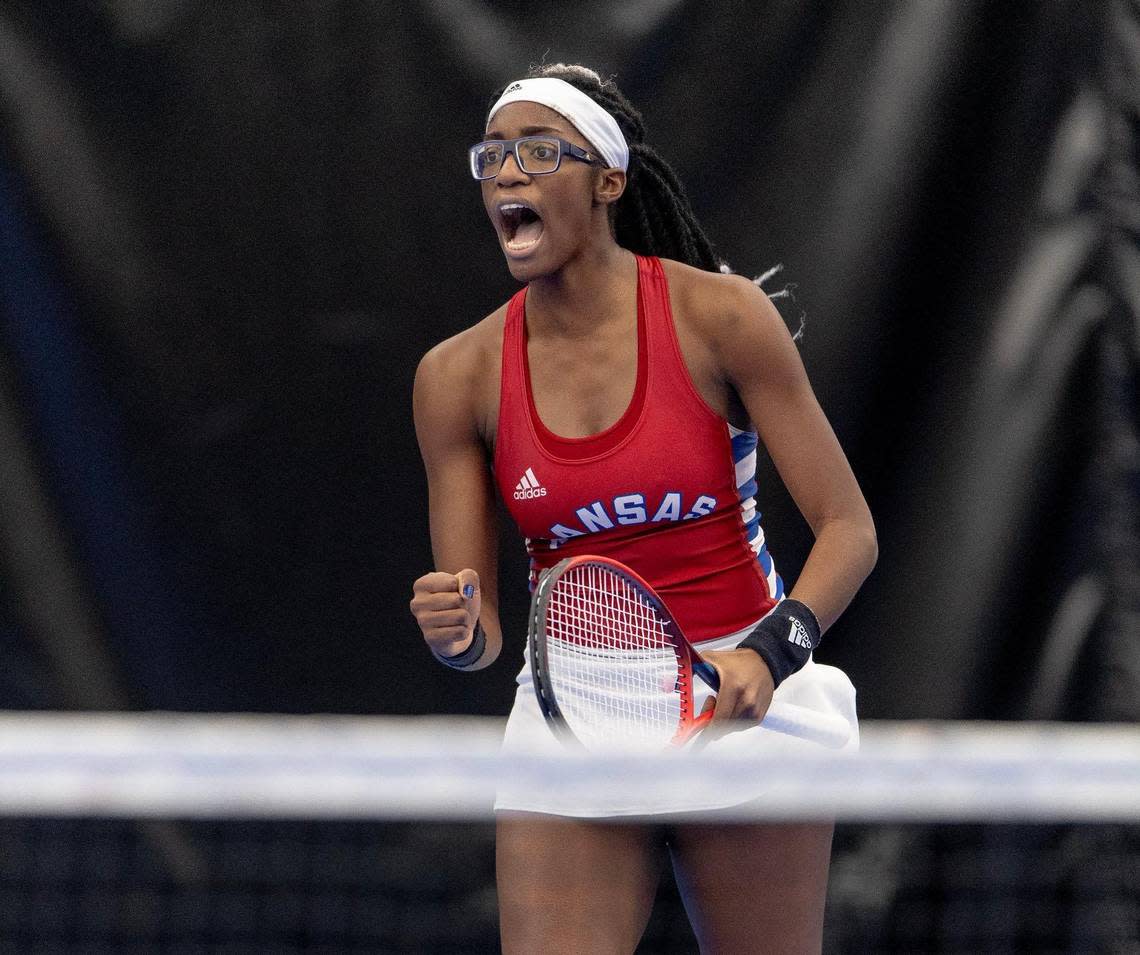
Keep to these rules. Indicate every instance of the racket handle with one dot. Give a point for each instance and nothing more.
(826, 729)
(707, 672)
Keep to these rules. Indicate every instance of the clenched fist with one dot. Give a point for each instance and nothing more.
(446, 607)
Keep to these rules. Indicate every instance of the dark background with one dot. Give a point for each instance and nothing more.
(229, 230)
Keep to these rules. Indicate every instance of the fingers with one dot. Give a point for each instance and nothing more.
(439, 582)
(446, 607)
(457, 588)
(467, 582)
(745, 688)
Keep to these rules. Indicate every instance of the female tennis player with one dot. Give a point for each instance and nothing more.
(616, 402)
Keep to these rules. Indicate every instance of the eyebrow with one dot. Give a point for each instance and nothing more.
(526, 131)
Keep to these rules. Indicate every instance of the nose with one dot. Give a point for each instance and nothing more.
(510, 171)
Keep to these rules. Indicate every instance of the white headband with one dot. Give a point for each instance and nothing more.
(590, 119)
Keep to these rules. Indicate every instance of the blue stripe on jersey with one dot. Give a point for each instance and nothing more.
(744, 444)
(752, 528)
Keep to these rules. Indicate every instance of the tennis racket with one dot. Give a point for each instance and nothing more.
(609, 663)
(611, 666)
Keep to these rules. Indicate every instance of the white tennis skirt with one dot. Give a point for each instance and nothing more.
(812, 708)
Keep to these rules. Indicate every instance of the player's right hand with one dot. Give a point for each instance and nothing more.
(446, 607)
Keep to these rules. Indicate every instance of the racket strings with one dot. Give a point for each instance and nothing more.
(610, 658)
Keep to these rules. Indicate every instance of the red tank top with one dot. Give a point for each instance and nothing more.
(669, 489)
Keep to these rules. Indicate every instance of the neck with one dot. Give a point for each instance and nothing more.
(576, 299)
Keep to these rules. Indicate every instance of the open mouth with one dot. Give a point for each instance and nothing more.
(521, 225)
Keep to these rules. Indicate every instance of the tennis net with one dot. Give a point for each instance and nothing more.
(180, 833)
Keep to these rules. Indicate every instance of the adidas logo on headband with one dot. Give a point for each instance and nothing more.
(513, 87)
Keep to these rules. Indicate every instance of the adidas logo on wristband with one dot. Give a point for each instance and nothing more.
(798, 634)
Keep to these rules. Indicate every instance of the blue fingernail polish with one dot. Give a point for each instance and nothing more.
(468, 590)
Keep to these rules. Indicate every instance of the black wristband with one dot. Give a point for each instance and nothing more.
(785, 638)
(470, 656)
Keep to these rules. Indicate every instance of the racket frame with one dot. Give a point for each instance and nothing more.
(689, 661)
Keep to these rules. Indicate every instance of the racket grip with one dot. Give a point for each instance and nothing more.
(707, 672)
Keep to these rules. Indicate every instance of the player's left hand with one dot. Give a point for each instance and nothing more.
(746, 689)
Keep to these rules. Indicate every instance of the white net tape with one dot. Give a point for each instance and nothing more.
(236, 766)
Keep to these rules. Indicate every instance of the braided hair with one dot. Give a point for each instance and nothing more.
(653, 215)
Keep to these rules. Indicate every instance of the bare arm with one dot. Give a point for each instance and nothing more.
(759, 360)
(461, 504)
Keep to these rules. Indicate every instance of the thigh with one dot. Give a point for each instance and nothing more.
(573, 885)
(754, 888)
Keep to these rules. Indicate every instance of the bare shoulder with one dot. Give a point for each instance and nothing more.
(462, 353)
(721, 309)
(457, 381)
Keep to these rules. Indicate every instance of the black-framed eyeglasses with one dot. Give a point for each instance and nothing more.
(535, 155)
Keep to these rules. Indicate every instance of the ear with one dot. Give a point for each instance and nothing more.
(609, 184)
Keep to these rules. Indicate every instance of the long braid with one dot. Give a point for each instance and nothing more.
(675, 232)
(653, 216)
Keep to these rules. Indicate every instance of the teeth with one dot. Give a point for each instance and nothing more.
(511, 219)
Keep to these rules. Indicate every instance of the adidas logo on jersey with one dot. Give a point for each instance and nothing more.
(529, 487)
(799, 634)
